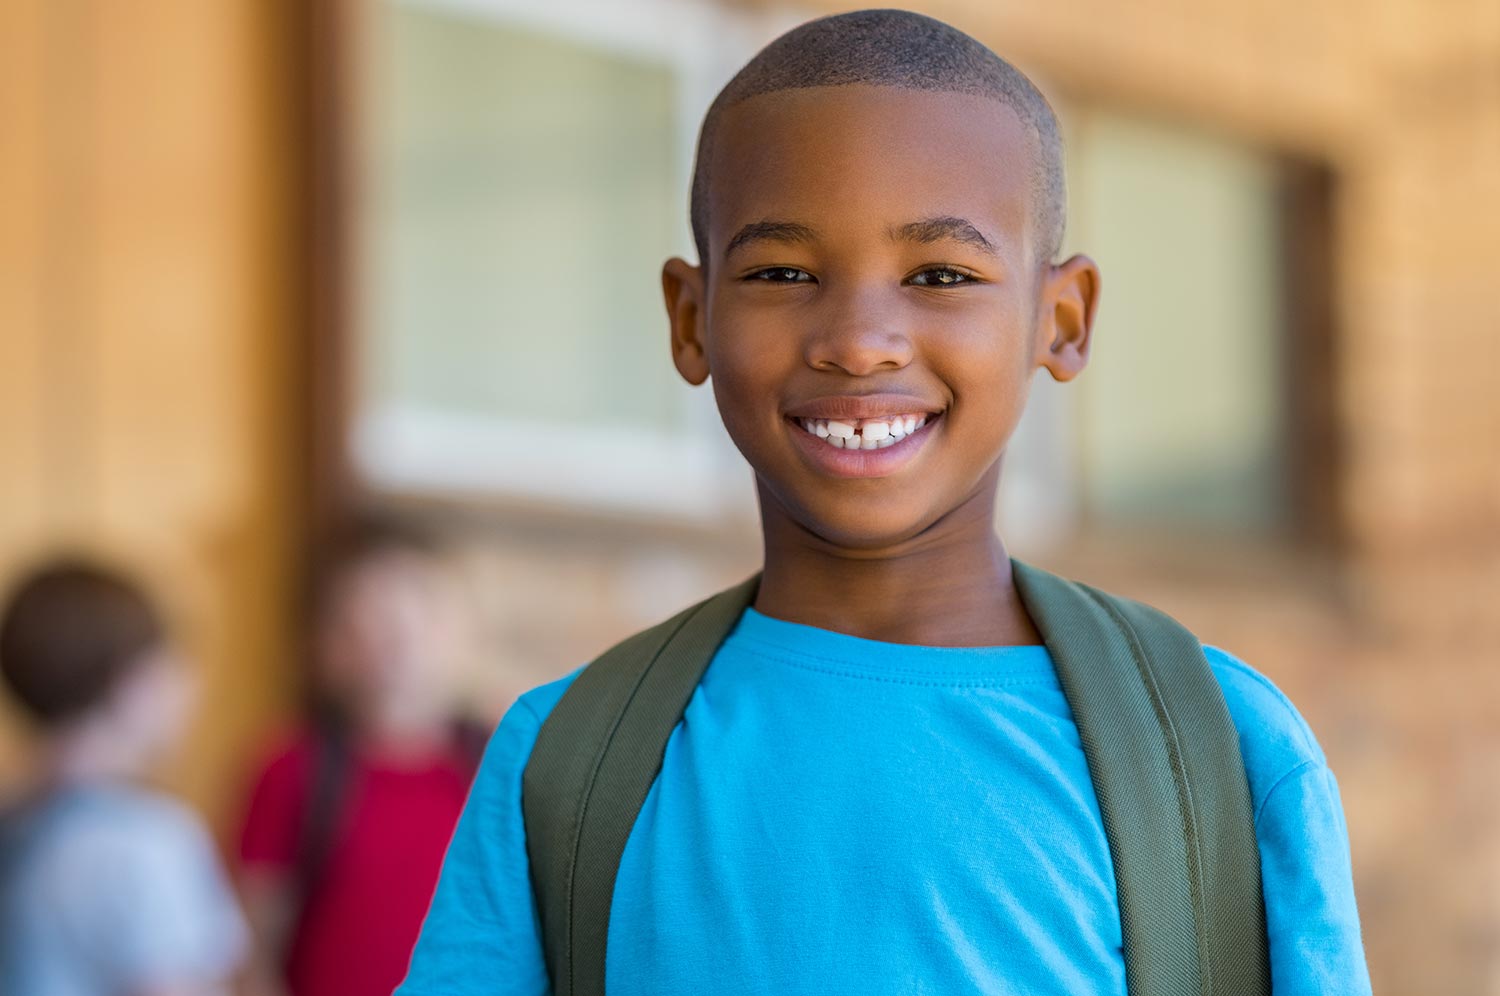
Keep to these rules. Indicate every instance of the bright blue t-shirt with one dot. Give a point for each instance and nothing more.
(838, 815)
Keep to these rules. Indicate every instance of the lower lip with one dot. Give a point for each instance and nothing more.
(863, 463)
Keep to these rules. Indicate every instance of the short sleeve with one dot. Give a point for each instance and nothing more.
(1311, 917)
(152, 904)
(1312, 922)
(481, 934)
(274, 812)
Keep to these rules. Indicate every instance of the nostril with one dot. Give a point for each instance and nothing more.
(859, 352)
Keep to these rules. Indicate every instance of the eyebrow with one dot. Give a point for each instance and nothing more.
(924, 231)
(940, 228)
(770, 231)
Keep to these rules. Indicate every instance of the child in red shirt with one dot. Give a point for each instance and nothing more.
(350, 815)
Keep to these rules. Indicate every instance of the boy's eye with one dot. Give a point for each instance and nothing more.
(941, 276)
(782, 275)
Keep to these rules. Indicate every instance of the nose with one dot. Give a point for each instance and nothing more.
(861, 332)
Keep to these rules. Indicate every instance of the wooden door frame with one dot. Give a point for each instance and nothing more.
(322, 35)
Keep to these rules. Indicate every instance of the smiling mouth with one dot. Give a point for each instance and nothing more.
(864, 433)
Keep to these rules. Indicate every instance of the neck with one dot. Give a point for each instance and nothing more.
(90, 751)
(401, 729)
(948, 586)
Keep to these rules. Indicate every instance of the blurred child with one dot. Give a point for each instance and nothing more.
(106, 887)
(349, 817)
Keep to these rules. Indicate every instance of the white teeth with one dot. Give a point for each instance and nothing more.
(867, 434)
(840, 430)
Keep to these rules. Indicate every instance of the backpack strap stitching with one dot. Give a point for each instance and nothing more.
(1187, 812)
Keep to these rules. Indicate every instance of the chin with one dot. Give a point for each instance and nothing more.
(855, 528)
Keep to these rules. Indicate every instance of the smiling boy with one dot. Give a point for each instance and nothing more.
(877, 782)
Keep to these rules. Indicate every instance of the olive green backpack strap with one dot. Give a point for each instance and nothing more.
(1165, 761)
(1162, 753)
(593, 763)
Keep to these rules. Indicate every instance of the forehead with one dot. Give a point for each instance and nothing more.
(851, 160)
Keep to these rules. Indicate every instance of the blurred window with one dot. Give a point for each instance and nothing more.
(1180, 411)
(525, 174)
(1183, 418)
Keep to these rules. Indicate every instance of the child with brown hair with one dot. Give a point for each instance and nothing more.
(106, 886)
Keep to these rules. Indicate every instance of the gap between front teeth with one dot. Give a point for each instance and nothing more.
(863, 434)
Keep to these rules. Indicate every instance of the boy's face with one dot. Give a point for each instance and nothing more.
(874, 267)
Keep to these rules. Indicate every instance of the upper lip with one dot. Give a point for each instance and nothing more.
(858, 406)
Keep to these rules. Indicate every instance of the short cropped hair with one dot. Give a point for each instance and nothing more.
(70, 632)
(901, 49)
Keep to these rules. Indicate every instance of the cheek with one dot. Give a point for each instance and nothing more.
(987, 366)
(749, 364)
(993, 376)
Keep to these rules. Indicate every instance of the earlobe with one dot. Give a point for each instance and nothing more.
(1070, 297)
(682, 286)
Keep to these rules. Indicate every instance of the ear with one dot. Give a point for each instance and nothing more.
(1069, 298)
(682, 285)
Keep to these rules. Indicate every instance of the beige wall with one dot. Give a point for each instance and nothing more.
(144, 401)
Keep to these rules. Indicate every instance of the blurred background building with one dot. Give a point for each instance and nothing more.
(264, 265)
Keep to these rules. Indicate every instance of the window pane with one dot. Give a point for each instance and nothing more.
(1180, 410)
(523, 195)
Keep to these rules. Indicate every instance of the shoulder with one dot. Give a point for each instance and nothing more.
(126, 810)
(509, 747)
(287, 754)
(142, 881)
(123, 834)
(537, 704)
(279, 778)
(1275, 741)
